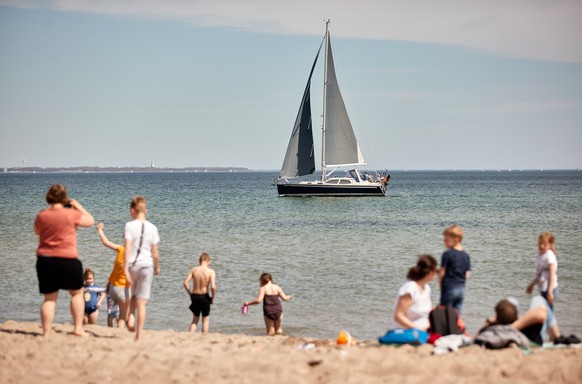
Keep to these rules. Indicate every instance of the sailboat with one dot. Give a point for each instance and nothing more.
(340, 147)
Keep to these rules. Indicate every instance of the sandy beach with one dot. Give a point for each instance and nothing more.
(110, 355)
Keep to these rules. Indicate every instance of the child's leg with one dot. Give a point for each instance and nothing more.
(47, 312)
(131, 314)
(110, 321)
(93, 317)
(458, 299)
(123, 313)
(194, 323)
(545, 296)
(77, 310)
(279, 325)
(552, 324)
(205, 324)
(85, 319)
(453, 297)
(270, 325)
(141, 317)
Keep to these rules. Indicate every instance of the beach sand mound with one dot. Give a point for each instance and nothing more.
(111, 355)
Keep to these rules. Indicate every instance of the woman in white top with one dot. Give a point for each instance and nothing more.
(413, 303)
(140, 261)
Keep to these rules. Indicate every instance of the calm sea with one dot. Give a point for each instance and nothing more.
(341, 258)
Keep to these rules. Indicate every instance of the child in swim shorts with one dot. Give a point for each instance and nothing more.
(204, 281)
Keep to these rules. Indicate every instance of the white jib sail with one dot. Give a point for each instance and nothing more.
(341, 145)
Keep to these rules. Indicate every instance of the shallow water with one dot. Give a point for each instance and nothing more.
(342, 259)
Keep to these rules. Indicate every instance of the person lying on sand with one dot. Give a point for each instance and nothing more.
(202, 277)
(269, 295)
(535, 323)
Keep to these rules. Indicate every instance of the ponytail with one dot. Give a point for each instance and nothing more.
(425, 265)
(550, 239)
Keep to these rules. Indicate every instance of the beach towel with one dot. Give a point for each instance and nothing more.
(404, 336)
(501, 336)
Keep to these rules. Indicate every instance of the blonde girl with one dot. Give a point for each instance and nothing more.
(546, 269)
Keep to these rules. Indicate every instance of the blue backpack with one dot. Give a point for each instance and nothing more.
(404, 336)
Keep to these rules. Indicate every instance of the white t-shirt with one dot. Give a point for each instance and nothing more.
(543, 263)
(421, 304)
(133, 232)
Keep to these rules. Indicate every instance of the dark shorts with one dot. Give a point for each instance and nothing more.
(200, 305)
(55, 273)
(534, 333)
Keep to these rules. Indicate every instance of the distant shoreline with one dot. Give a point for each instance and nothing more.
(122, 169)
(88, 169)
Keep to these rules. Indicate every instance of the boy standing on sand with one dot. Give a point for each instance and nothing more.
(203, 277)
(455, 269)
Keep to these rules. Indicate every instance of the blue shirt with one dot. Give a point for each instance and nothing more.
(456, 264)
(91, 296)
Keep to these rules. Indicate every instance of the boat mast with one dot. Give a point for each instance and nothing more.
(323, 172)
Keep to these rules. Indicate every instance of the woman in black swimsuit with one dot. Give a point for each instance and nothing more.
(269, 295)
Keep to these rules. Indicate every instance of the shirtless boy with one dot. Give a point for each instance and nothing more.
(203, 278)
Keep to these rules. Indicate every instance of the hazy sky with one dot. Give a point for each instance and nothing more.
(428, 84)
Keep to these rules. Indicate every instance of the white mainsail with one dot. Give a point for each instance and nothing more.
(341, 147)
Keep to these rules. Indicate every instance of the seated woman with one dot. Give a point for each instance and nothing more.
(413, 303)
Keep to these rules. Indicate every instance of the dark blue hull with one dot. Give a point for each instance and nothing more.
(288, 189)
